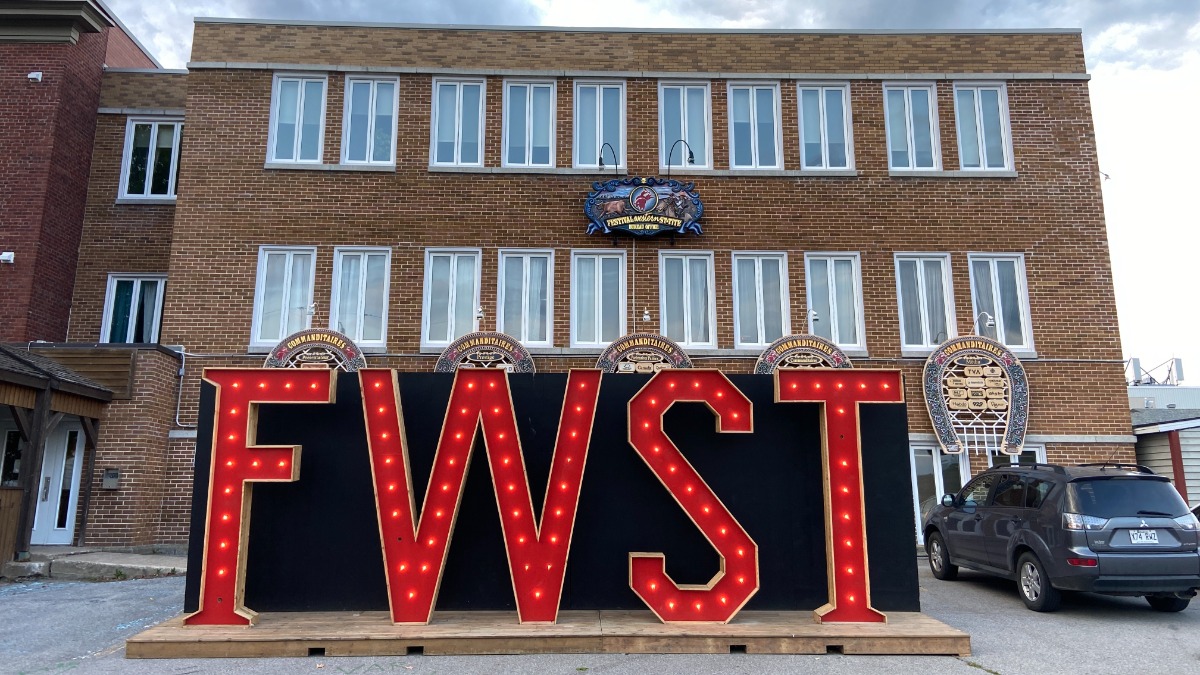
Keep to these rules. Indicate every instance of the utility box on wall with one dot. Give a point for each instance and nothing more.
(111, 479)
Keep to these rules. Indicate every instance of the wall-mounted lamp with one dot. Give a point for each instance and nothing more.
(989, 323)
(616, 160)
(691, 158)
(814, 316)
(35, 76)
(8, 257)
(479, 313)
(646, 314)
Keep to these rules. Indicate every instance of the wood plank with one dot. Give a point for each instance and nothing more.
(583, 632)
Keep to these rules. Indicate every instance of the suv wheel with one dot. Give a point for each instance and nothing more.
(1034, 585)
(1168, 603)
(939, 558)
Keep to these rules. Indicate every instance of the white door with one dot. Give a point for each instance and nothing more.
(58, 487)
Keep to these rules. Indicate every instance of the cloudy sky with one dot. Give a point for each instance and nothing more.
(1144, 57)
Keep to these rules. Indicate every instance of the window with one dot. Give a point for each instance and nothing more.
(360, 294)
(760, 298)
(834, 299)
(529, 124)
(926, 305)
(282, 294)
(981, 115)
(825, 130)
(683, 115)
(998, 288)
(599, 119)
(911, 127)
(754, 126)
(458, 123)
(10, 461)
(976, 492)
(369, 121)
(297, 120)
(1010, 492)
(524, 296)
(132, 308)
(597, 297)
(451, 295)
(150, 163)
(687, 308)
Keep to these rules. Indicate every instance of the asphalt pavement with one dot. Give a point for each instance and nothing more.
(65, 626)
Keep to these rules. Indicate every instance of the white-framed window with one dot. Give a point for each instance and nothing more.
(150, 160)
(935, 473)
(360, 294)
(912, 130)
(528, 123)
(684, 114)
(998, 288)
(451, 296)
(687, 306)
(525, 299)
(283, 293)
(826, 131)
(760, 298)
(926, 300)
(835, 308)
(599, 120)
(133, 308)
(457, 129)
(598, 313)
(981, 118)
(297, 119)
(369, 120)
(754, 128)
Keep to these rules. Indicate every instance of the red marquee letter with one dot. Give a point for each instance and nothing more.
(237, 463)
(839, 392)
(737, 580)
(415, 549)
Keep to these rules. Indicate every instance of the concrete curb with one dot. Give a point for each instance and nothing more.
(96, 566)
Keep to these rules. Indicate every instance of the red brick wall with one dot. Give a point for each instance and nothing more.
(133, 438)
(46, 133)
(123, 52)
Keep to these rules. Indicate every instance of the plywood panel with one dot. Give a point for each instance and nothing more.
(10, 513)
(612, 632)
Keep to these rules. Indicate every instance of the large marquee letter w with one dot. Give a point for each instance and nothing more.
(415, 546)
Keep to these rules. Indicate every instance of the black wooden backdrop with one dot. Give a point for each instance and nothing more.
(314, 544)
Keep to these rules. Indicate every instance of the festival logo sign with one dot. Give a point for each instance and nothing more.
(317, 348)
(642, 353)
(800, 351)
(643, 206)
(977, 395)
(485, 350)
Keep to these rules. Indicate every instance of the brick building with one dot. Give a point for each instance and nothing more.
(405, 185)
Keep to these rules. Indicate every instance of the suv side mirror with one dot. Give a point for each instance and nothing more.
(948, 500)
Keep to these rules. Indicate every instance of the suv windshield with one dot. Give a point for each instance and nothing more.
(1115, 497)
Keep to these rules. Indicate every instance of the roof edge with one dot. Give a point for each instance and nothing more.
(581, 29)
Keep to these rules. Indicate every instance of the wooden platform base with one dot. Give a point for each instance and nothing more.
(587, 632)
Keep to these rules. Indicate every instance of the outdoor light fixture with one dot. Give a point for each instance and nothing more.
(990, 323)
(691, 158)
(8, 257)
(646, 314)
(616, 160)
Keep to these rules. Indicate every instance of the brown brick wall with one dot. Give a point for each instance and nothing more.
(629, 51)
(117, 238)
(133, 438)
(143, 90)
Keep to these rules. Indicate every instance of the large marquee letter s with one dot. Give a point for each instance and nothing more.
(839, 391)
(737, 580)
(236, 464)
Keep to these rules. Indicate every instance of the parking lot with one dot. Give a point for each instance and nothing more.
(51, 627)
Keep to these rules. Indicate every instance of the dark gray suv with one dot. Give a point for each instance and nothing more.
(1105, 528)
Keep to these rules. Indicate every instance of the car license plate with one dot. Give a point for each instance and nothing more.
(1143, 536)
